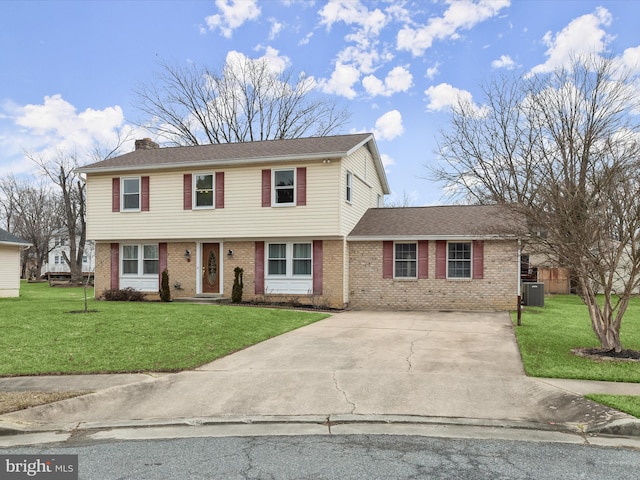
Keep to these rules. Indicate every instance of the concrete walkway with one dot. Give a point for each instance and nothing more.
(353, 366)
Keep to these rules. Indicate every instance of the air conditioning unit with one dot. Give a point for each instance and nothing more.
(533, 294)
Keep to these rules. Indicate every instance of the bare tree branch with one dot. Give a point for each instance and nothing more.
(563, 150)
(246, 101)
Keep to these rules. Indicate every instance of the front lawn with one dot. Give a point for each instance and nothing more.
(41, 336)
(548, 335)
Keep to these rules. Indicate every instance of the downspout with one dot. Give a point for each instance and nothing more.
(519, 323)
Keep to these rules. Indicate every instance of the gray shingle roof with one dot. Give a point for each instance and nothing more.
(6, 237)
(312, 147)
(449, 221)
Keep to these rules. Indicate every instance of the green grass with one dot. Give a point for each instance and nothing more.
(548, 334)
(625, 403)
(41, 336)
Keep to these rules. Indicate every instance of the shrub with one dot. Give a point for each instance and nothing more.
(128, 294)
(165, 290)
(236, 292)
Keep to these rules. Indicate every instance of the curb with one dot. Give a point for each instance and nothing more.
(625, 427)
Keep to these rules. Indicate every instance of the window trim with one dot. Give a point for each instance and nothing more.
(349, 187)
(289, 259)
(414, 261)
(275, 188)
(194, 190)
(123, 194)
(140, 259)
(470, 260)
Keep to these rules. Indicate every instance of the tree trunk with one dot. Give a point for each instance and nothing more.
(604, 326)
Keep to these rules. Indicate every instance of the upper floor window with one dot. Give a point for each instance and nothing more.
(459, 260)
(284, 187)
(405, 260)
(131, 193)
(203, 190)
(349, 192)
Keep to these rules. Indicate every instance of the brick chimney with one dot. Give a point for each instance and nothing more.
(146, 144)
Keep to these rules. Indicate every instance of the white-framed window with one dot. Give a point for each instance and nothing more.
(459, 260)
(302, 259)
(203, 190)
(130, 196)
(349, 192)
(289, 259)
(405, 260)
(57, 260)
(85, 259)
(140, 260)
(277, 259)
(284, 187)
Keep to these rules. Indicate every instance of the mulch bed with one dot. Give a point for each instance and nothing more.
(608, 355)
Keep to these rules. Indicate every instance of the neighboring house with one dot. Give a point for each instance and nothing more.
(10, 248)
(56, 266)
(279, 209)
(300, 217)
(444, 257)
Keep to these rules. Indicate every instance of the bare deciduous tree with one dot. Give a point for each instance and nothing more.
(247, 101)
(562, 150)
(61, 171)
(31, 211)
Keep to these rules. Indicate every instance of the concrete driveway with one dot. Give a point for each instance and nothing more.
(355, 364)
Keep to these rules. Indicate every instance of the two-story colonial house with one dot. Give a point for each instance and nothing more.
(301, 217)
(279, 209)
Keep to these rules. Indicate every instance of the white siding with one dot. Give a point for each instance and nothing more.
(242, 217)
(366, 187)
(9, 271)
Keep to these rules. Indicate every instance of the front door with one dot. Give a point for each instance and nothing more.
(211, 268)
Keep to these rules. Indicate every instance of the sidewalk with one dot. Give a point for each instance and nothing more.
(68, 383)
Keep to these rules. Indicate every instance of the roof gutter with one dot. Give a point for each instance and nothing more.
(205, 163)
(404, 238)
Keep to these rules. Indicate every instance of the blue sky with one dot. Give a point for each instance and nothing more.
(68, 69)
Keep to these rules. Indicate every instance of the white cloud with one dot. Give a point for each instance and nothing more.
(398, 80)
(234, 14)
(276, 28)
(631, 59)
(433, 71)
(462, 15)
(277, 63)
(583, 36)
(363, 55)
(389, 126)
(352, 12)
(341, 82)
(387, 161)
(56, 125)
(306, 39)
(444, 96)
(505, 61)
